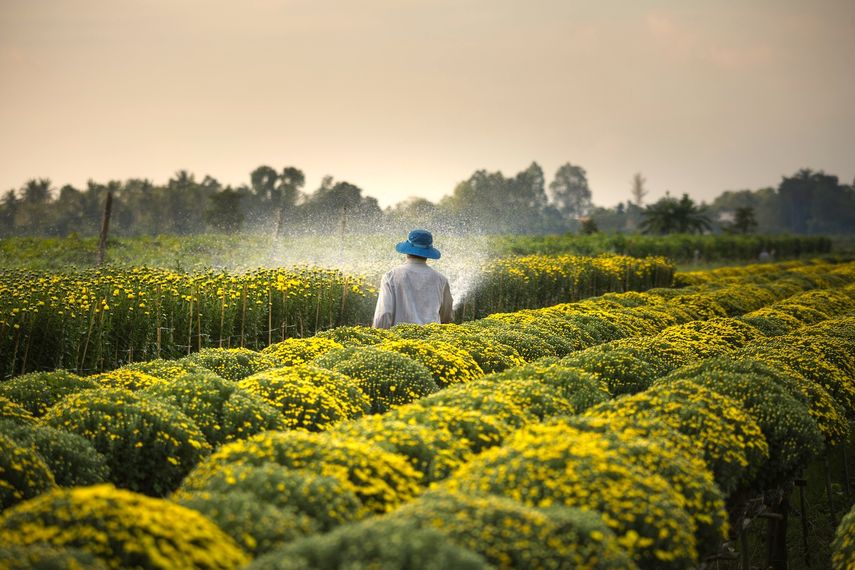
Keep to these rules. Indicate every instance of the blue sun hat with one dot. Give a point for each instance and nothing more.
(419, 242)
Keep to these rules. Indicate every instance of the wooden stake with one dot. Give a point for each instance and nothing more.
(105, 227)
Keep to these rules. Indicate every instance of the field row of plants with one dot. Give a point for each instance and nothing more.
(532, 465)
(371, 254)
(680, 248)
(95, 320)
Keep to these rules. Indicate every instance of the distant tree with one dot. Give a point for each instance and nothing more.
(638, 190)
(224, 211)
(291, 181)
(340, 206)
(589, 226)
(744, 221)
(670, 215)
(8, 212)
(569, 191)
(34, 213)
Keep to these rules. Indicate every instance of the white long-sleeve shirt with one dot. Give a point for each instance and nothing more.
(413, 293)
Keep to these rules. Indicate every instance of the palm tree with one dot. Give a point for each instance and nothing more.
(669, 215)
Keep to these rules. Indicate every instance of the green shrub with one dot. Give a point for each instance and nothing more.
(383, 543)
(546, 465)
(47, 557)
(388, 379)
(231, 363)
(166, 369)
(478, 430)
(70, 457)
(257, 527)
(326, 500)
(433, 451)
(23, 473)
(483, 397)
(488, 353)
(293, 351)
(219, 408)
(308, 397)
(10, 410)
(38, 391)
(529, 346)
(621, 369)
(381, 480)
(771, 321)
(510, 535)
(843, 547)
(124, 379)
(580, 388)
(149, 446)
(121, 528)
(356, 335)
(447, 364)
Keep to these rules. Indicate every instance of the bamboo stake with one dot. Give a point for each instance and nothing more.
(105, 227)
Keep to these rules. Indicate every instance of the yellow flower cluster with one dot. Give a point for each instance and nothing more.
(294, 351)
(38, 391)
(23, 473)
(843, 547)
(448, 364)
(132, 380)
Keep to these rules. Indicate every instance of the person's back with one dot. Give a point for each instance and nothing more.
(414, 292)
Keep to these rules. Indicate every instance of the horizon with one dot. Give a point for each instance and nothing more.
(410, 99)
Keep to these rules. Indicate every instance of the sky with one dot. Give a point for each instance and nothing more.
(410, 97)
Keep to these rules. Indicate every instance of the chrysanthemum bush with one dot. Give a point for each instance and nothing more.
(488, 353)
(232, 363)
(545, 465)
(771, 321)
(621, 369)
(122, 528)
(356, 335)
(432, 450)
(38, 391)
(509, 534)
(447, 364)
(166, 369)
(256, 526)
(667, 454)
(308, 397)
(580, 388)
(10, 410)
(23, 472)
(388, 378)
(149, 446)
(381, 480)
(514, 401)
(327, 501)
(843, 547)
(125, 379)
(71, 458)
(293, 351)
(379, 542)
(529, 346)
(478, 430)
(728, 439)
(220, 409)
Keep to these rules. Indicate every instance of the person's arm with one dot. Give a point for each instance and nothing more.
(446, 314)
(384, 313)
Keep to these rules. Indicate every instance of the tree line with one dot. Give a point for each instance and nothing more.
(276, 201)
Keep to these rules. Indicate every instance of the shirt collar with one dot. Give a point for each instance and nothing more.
(416, 260)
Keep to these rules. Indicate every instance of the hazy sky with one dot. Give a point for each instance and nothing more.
(409, 97)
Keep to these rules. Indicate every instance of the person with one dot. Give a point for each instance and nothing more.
(414, 292)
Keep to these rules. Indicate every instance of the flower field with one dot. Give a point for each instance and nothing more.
(99, 319)
(634, 429)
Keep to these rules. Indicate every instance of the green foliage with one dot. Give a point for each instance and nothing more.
(843, 547)
(121, 528)
(623, 371)
(47, 557)
(232, 363)
(220, 409)
(669, 216)
(10, 410)
(70, 457)
(510, 535)
(149, 446)
(38, 391)
(23, 473)
(447, 364)
(582, 389)
(386, 543)
(477, 429)
(356, 335)
(388, 378)
(326, 500)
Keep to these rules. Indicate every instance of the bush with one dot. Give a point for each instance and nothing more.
(70, 457)
(843, 547)
(308, 397)
(324, 499)
(381, 480)
(433, 451)
(125, 379)
(257, 527)
(488, 353)
(727, 438)
(529, 346)
(23, 473)
(38, 391)
(791, 433)
(166, 369)
(293, 351)
(149, 446)
(580, 388)
(621, 369)
(121, 528)
(771, 321)
(356, 335)
(388, 379)
(509, 534)
(47, 557)
(476, 429)
(219, 408)
(545, 465)
(482, 397)
(447, 364)
(383, 542)
(231, 363)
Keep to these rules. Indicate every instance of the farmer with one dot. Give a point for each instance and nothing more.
(414, 292)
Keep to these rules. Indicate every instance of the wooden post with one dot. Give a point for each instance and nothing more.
(105, 227)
